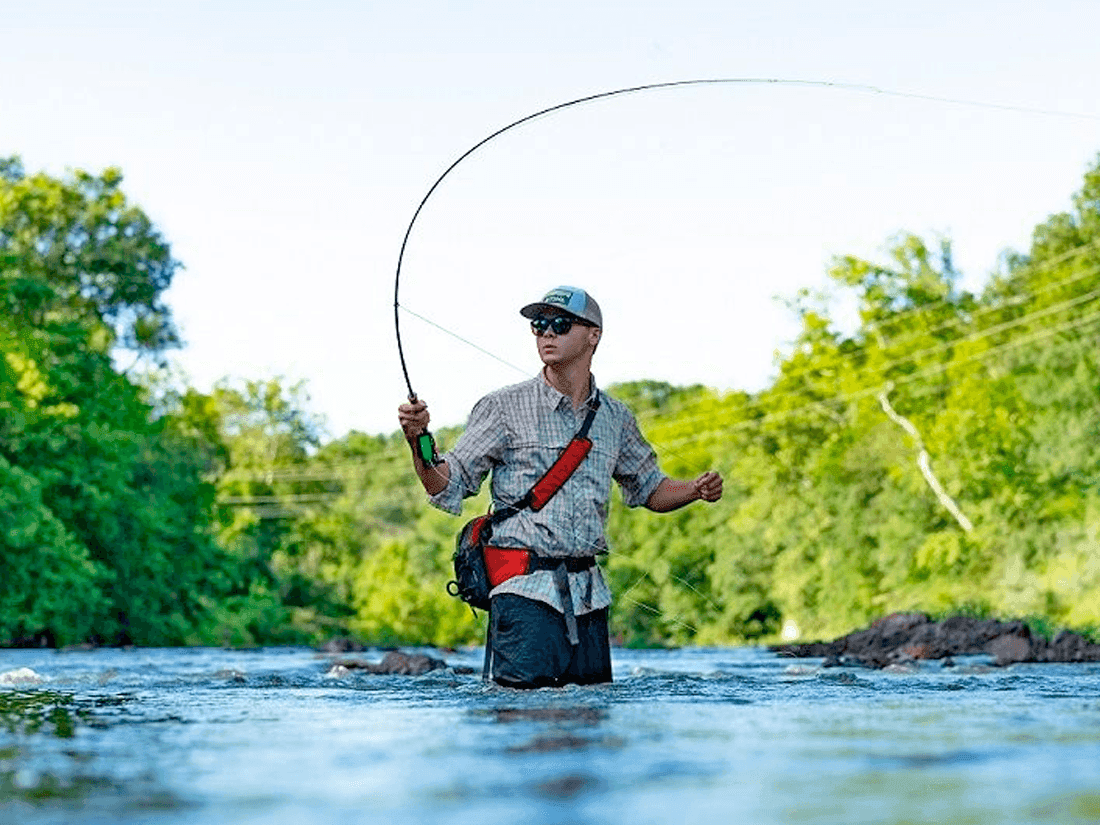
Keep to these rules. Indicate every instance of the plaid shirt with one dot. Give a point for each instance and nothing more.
(516, 433)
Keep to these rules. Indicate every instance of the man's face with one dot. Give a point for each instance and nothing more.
(559, 349)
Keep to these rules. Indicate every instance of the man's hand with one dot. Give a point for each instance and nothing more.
(414, 418)
(708, 486)
(672, 494)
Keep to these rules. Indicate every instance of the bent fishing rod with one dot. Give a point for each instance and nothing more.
(425, 447)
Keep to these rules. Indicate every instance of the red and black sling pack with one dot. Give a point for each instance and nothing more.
(478, 567)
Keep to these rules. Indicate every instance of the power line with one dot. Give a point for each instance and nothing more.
(935, 369)
(289, 498)
(850, 361)
(771, 398)
(901, 315)
(1017, 300)
(670, 415)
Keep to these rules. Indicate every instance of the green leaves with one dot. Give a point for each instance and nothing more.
(106, 521)
(83, 254)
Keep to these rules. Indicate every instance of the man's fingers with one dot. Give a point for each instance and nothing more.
(413, 417)
(709, 485)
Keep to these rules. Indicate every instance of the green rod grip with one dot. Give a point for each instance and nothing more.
(425, 446)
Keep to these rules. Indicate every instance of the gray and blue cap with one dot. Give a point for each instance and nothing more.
(568, 299)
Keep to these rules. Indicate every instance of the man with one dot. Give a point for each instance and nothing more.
(548, 626)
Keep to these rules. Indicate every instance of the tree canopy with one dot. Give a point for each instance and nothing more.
(109, 528)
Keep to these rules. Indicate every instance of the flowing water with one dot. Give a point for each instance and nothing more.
(695, 735)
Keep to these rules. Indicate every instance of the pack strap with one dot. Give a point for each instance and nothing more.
(487, 666)
(560, 471)
(561, 582)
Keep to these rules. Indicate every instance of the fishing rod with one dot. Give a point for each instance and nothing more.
(425, 446)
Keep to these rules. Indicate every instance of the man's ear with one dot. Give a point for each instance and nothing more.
(594, 334)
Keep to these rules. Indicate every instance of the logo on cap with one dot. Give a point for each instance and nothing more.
(558, 296)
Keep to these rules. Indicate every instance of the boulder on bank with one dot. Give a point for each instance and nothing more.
(905, 637)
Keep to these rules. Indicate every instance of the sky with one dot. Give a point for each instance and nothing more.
(282, 149)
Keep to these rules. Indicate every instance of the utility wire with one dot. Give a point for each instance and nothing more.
(671, 415)
(936, 369)
(853, 366)
(901, 315)
(854, 359)
(969, 319)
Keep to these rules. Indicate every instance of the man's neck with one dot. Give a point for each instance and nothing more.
(573, 381)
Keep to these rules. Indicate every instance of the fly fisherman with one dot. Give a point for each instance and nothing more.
(548, 621)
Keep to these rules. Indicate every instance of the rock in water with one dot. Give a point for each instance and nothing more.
(396, 663)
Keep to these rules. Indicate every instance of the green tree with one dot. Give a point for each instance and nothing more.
(116, 539)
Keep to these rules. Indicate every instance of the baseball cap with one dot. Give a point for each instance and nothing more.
(569, 299)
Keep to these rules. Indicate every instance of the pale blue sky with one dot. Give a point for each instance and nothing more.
(282, 147)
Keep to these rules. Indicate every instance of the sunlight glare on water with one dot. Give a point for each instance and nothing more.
(693, 735)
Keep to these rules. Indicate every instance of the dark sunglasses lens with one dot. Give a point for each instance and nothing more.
(559, 324)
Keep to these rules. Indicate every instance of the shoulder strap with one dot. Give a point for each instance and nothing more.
(588, 419)
(554, 479)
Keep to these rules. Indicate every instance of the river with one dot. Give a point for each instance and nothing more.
(274, 736)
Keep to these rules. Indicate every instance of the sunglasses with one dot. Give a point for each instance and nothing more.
(559, 324)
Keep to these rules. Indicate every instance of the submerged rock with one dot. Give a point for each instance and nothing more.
(399, 664)
(907, 637)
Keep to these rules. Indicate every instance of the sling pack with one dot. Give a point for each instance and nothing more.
(476, 572)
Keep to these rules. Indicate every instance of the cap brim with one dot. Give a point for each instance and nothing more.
(532, 310)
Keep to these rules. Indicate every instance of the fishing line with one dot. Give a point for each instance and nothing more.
(466, 341)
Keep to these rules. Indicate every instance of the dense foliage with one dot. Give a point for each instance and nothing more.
(941, 456)
(107, 520)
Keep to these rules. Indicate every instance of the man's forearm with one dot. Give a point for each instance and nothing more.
(672, 495)
(434, 479)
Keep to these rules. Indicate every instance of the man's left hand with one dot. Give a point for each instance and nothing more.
(708, 486)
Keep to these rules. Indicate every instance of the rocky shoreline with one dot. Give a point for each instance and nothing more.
(907, 637)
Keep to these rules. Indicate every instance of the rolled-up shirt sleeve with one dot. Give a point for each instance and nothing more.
(478, 449)
(636, 471)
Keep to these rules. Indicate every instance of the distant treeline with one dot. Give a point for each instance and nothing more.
(943, 457)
